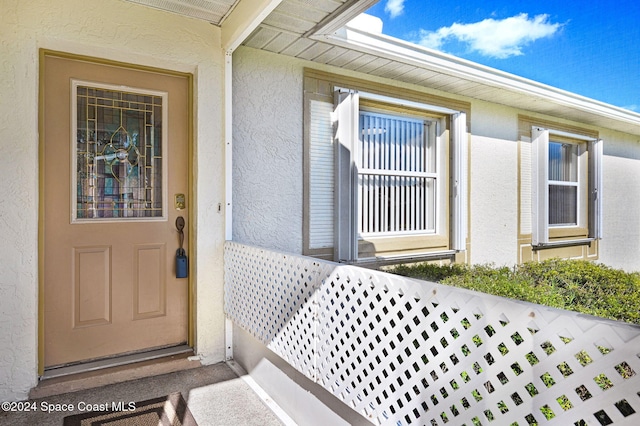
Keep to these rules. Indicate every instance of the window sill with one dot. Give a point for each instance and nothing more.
(407, 258)
(386, 246)
(564, 243)
(566, 233)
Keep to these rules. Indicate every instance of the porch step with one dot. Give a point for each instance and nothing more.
(111, 375)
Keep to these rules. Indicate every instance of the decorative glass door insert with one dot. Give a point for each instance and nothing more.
(118, 153)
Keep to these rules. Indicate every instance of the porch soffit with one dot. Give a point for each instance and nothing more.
(314, 30)
(384, 56)
(299, 16)
(294, 29)
(214, 11)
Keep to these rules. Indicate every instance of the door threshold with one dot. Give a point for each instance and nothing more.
(114, 362)
(121, 369)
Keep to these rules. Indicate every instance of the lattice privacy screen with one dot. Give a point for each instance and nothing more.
(402, 351)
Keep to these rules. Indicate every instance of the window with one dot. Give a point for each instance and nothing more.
(563, 184)
(566, 188)
(118, 153)
(386, 177)
(398, 176)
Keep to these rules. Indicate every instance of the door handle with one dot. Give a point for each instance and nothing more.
(180, 227)
(182, 263)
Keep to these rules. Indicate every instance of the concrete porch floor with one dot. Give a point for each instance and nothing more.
(219, 394)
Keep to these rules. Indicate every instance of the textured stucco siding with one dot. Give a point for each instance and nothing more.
(493, 187)
(268, 167)
(267, 150)
(620, 245)
(119, 31)
(268, 159)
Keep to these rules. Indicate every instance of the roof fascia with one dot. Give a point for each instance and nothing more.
(400, 51)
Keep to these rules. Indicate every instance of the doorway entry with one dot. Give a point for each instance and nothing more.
(114, 180)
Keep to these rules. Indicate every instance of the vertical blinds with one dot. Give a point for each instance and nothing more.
(397, 174)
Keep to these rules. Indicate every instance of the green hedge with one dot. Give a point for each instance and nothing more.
(576, 285)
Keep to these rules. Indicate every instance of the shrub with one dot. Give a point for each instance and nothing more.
(576, 285)
(429, 271)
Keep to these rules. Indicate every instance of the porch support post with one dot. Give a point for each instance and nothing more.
(228, 144)
(237, 26)
(228, 176)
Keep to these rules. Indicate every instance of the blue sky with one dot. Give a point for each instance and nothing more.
(591, 48)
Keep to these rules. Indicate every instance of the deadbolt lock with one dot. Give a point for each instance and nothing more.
(180, 202)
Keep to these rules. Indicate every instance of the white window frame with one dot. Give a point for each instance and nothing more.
(346, 116)
(346, 140)
(430, 137)
(579, 184)
(589, 187)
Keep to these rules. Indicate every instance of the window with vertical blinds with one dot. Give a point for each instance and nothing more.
(397, 174)
(385, 177)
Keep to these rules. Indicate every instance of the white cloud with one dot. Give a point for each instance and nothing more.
(394, 7)
(497, 38)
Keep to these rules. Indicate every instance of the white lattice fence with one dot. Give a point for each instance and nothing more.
(402, 351)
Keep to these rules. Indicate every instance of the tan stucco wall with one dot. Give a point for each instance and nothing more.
(119, 31)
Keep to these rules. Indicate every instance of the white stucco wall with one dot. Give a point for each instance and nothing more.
(494, 184)
(120, 31)
(268, 166)
(267, 150)
(268, 157)
(620, 246)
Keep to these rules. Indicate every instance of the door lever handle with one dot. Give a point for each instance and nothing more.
(181, 256)
(180, 227)
(180, 223)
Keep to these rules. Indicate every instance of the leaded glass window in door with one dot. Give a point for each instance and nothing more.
(118, 153)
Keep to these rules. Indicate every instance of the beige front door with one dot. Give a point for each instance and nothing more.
(115, 179)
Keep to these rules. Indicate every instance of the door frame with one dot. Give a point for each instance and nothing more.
(191, 325)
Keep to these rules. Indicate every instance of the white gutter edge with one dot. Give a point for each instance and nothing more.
(398, 50)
